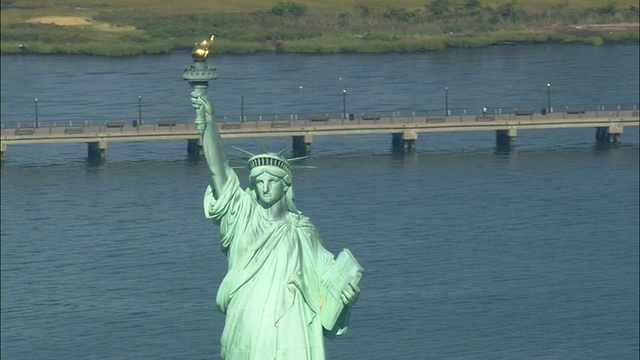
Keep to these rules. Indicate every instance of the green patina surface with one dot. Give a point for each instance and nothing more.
(284, 292)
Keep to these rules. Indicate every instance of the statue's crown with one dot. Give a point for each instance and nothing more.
(270, 159)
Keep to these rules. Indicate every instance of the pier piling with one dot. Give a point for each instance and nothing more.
(609, 134)
(405, 140)
(97, 150)
(195, 148)
(302, 144)
(504, 138)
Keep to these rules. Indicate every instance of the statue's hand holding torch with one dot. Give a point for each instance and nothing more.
(204, 110)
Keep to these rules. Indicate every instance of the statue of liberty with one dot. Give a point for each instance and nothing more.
(283, 292)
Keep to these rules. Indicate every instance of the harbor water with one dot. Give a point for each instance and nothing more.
(470, 252)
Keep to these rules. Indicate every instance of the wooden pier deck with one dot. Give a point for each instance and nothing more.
(405, 129)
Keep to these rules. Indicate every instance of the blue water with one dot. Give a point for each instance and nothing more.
(470, 252)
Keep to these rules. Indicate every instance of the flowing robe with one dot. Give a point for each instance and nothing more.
(271, 294)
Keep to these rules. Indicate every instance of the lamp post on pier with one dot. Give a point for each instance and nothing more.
(37, 123)
(446, 101)
(242, 107)
(139, 110)
(344, 104)
(548, 98)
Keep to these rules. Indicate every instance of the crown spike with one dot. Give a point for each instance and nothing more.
(264, 149)
(282, 151)
(271, 160)
(243, 151)
(297, 158)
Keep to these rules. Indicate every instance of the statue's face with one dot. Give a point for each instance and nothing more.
(269, 189)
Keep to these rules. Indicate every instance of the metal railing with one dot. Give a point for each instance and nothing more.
(431, 116)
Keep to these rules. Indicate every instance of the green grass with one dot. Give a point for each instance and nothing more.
(125, 27)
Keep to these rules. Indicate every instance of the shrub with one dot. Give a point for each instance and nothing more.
(606, 10)
(289, 8)
(439, 7)
(398, 14)
(508, 10)
(364, 10)
(472, 6)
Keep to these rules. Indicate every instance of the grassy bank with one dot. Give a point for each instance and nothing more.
(122, 28)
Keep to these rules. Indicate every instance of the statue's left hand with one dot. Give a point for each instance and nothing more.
(350, 294)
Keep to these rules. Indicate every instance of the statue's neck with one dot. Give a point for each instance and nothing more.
(275, 212)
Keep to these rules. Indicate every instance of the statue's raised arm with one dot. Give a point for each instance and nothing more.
(199, 74)
(212, 142)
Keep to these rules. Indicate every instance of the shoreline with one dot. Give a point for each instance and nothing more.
(25, 51)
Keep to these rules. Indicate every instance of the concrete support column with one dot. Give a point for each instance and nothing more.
(405, 140)
(195, 148)
(302, 144)
(504, 138)
(609, 134)
(3, 149)
(97, 150)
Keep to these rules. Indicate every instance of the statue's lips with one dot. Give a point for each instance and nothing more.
(267, 195)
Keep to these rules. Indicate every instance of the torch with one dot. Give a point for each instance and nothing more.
(199, 75)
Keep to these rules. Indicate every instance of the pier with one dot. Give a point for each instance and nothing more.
(403, 130)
